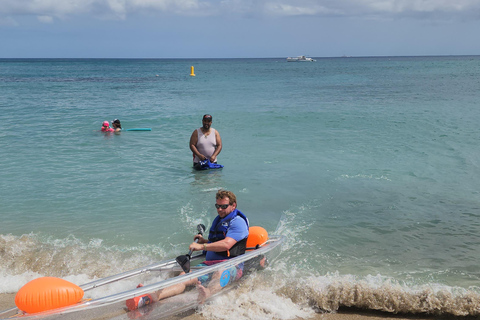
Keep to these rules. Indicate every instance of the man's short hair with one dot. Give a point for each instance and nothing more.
(221, 194)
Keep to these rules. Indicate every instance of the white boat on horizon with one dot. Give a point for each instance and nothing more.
(300, 59)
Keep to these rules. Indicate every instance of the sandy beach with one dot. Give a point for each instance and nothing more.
(346, 314)
(7, 301)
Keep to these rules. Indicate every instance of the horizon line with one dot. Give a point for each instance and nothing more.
(225, 58)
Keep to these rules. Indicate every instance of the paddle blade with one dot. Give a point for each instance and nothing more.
(184, 262)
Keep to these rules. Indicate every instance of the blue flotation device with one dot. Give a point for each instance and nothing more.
(206, 164)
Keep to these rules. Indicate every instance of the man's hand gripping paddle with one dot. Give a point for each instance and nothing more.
(184, 260)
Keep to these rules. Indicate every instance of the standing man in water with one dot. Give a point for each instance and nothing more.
(205, 142)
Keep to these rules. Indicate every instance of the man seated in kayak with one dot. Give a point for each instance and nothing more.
(227, 239)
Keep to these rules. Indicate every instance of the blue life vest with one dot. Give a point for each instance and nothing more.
(218, 231)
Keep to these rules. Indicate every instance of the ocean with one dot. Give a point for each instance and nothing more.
(369, 166)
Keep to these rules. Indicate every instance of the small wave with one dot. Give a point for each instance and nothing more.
(291, 227)
(24, 258)
(214, 189)
(266, 295)
(288, 289)
(255, 298)
(191, 220)
(363, 176)
(288, 279)
(330, 292)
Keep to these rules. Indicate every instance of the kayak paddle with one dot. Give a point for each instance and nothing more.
(184, 260)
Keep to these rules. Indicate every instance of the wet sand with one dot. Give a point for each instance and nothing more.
(7, 301)
(345, 314)
(350, 314)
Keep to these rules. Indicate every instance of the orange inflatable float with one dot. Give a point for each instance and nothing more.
(256, 238)
(47, 293)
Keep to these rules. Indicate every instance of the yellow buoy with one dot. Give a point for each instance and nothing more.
(191, 72)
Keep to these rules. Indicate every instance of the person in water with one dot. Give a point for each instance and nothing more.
(117, 126)
(106, 127)
(205, 142)
(227, 239)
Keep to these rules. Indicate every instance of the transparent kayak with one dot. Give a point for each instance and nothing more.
(103, 301)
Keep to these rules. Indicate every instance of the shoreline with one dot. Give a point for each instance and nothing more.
(350, 313)
(7, 301)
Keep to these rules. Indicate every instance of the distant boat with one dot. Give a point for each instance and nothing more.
(300, 59)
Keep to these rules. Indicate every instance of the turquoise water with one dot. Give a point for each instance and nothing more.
(368, 165)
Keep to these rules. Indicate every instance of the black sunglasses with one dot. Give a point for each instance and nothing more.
(223, 206)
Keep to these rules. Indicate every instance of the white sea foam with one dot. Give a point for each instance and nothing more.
(364, 176)
(282, 291)
(277, 296)
(255, 298)
(28, 257)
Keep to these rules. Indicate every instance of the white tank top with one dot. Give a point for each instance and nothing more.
(206, 145)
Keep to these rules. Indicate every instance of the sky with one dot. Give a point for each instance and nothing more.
(237, 28)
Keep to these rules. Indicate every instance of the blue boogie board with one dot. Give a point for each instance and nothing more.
(207, 165)
(139, 129)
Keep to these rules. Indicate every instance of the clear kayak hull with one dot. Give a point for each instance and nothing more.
(104, 300)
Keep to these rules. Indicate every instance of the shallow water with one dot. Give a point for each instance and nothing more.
(368, 165)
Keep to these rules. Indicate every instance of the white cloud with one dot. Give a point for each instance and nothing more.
(121, 9)
(421, 6)
(45, 7)
(45, 19)
(180, 7)
(373, 7)
(298, 10)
